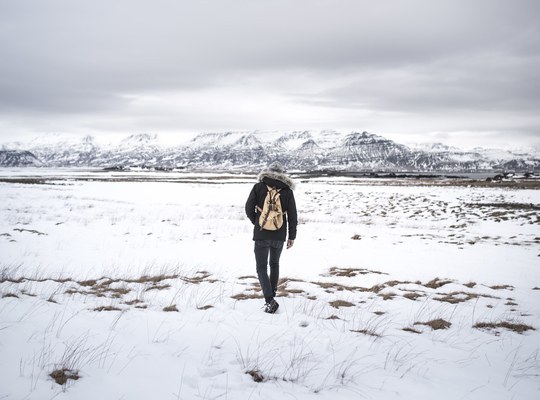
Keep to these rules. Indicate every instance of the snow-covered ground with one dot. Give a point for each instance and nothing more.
(145, 288)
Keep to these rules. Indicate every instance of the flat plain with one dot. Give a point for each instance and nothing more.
(138, 285)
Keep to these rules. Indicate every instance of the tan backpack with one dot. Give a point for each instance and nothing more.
(271, 218)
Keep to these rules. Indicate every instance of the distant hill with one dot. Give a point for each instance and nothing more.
(299, 150)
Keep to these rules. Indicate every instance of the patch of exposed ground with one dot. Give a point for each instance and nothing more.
(351, 272)
(436, 324)
(341, 303)
(62, 376)
(367, 332)
(494, 326)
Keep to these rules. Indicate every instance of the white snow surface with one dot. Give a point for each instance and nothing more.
(88, 265)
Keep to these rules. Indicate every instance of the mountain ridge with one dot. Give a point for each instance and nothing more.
(250, 150)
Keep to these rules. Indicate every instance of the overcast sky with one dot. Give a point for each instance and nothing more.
(464, 73)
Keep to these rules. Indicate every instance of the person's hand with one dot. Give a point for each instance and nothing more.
(290, 243)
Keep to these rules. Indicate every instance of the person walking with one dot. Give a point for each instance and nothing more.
(271, 208)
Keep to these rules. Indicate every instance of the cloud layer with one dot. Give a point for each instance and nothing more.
(458, 69)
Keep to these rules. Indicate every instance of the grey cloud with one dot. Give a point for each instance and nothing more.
(62, 56)
(484, 83)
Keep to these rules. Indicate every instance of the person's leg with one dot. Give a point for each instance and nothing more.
(275, 253)
(262, 248)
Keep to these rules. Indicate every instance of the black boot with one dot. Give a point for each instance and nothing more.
(271, 306)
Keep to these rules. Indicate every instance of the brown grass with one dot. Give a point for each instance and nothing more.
(456, 297)
(436, 324)
(247, 277)
(30, 231)
(412, 295)
(256, 375)
(333, 316)
(61, 376)
(207, 307)
(133, 302)
(152, 279)
(366, 332)
(90, 282)
(341, 303)
(387, 296)
(437, 283)
(412, 330)
(158, 287)
(335, 286)
(351, 272)
(200, 276)
(395, 283)
(518, 328)
(107, 308)
(501, 287)
(171, 308)
(246, 296)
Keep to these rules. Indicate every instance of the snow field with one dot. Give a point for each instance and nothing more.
(89, 268)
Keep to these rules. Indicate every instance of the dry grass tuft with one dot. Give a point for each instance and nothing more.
(501, 287)
(256, 375)
(375, 288)
(367, 332)
(247, 277)
(30, 231)
(470, 285)
(518, 328)
(200, 276)
(436, 324)
(437, 283)
(171, 308)
(107, 308)
(351, 272)
(456, 297)
(61, 376)
(333, 316)
(246, 296)
(158, 287)
(152, 279)
(412, 295)
(395, 283)
(412, 330)
(333, 286)
(207, 307)
(341, 303)
(90, 282)
(133, 302)
(387, 296)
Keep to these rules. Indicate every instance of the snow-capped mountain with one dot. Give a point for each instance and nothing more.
(18, 158)
(298, 150)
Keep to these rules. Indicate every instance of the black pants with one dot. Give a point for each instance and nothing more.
(263, 249)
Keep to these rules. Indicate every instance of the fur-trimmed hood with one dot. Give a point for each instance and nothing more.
(278, 176)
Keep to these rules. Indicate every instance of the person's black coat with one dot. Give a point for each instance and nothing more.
(288, 205)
